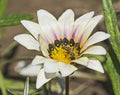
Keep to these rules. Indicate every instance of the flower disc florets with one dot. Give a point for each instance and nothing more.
(64, 50)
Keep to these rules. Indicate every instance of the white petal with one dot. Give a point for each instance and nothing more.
(51, 66)
(95, 65)
(97, 50)
(27, 41)
(49, 25)
(89, 28)
(30, 70)
(32, 27)
(84, 17)
(83, 61)
(66, 21)
(80, 24)
(95, 38)
(43, 46)
(38, 60)
(41, 79)
(66, 69)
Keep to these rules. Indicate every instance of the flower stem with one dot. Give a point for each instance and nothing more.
(67, 85)
(2, 85)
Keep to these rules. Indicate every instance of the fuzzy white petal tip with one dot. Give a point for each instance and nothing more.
(24, 70)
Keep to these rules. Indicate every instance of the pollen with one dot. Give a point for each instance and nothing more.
(64, 50)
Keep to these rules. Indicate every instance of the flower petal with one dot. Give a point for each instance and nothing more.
(32, 27)
(38, 60)
(28, 70)
(44, 46)
(50, 75)
(49, 25)
(83, 18)
(83, 61)
(51, 66)
(95, 38)
(27, 41)
(41, 79)
(97, 50)
(66, 22)
(89, 28)
(80, 25)
(66, 69)
(95, 65)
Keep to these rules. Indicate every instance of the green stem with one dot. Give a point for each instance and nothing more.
(26, 87)
(2, 85)
(67, 85)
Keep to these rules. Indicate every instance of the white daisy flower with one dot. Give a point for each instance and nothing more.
(63, 43)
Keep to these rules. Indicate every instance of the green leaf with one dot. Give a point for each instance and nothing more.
(2, 85)
(112, 26)
(36, 92)
(3, 6)
(113, 74)
(11, 92)
(26, 88)
(9, 83)
(112, 65)
(13, 19)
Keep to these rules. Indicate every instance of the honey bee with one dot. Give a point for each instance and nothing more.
(70, 52)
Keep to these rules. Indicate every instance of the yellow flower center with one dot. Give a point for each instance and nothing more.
(64, 50)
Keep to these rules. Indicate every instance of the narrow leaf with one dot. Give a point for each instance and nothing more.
(36, 92)
(9, 83)
(11, 92)
(112, 26)
(2, 85)
(112, 65)
(13, 19)
(113, 74)
(3, 6)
